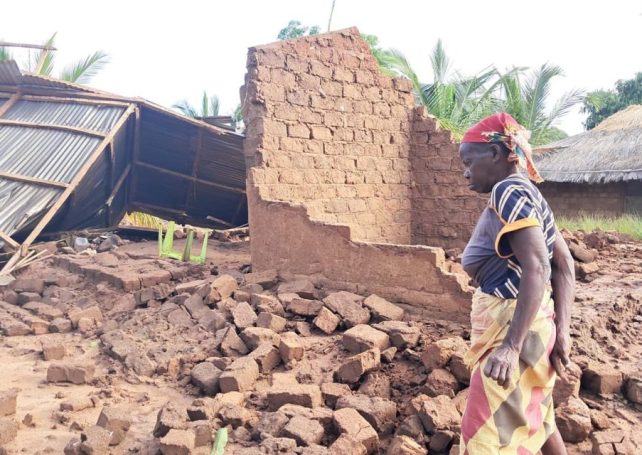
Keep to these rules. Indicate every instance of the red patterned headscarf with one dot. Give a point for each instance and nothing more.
(502, 127)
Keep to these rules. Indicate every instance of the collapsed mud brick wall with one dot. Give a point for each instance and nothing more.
(347, 179)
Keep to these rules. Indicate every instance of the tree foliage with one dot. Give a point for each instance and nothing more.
(295, 29)
(210, 107)
(43, 63)
(600, 104)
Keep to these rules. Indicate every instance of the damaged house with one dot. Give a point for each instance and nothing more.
(72, 157)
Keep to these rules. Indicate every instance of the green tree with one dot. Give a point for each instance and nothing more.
(600, 104)
(210, 107)
(455, 100)
(43, 63)
(526, 95)
(294, 29)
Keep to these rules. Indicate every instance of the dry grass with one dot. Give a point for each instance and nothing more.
(143, 220)
(628, 224)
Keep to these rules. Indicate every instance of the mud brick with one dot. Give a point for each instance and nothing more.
(27, 297)
(53, 350)
(8, 402)
(213, 320)
(95, 440)
(255, 336)
(403, 445)
(573, 420)
(235, 415)
(267, 357)
(347, 444)
(303, 328)
(304, 307)
(363, 337)
(116, 420)
(291, 347)
(242, 296)
(349, 306)
(439, 353)
(170, 417)
(350, 422)
(271, 321)
(332, 391)
(205, 376)
(179, 317)
(266, 279)
(28, 285)
(74, 373)
(8, 431)
(270, 423)
(60, 325)
(402, 335)
(600, 378)
(303, 430)
(633, 390)
(379, 412)
(438, 413)
(195, 306)
(155, 277)
(244, 316)
(128, 282)
(307, 395)
(240, 376)
(229, 343)
(356, 366)
(326, 321)
(303, 288)
(178, 442)
(44, 311)
(92, 312)
(382, 309)
(265, 303)
(12, 327)
(190, 287)
(225, 285)
(441, 382)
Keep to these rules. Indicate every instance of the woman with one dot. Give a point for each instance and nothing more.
(519, 335)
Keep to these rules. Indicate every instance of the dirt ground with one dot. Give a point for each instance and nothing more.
(161, 343)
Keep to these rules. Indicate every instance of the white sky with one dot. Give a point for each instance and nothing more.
(169, 50)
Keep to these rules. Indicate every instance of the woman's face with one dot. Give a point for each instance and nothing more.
(482, 165)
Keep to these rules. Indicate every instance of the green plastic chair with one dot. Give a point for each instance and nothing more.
(220, 442)
(166, 245)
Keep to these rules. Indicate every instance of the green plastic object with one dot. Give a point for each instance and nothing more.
(220, 442)
(166, 245)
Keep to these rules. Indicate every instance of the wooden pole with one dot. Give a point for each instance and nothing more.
(69, 129)
(9, 104)
(27, 46)
(33, 180)
(9, 240)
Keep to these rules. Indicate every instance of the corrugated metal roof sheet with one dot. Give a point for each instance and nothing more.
(9, 73)
(96, 118)
(21, 202)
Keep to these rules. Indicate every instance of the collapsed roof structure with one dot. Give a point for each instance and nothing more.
(72, 157)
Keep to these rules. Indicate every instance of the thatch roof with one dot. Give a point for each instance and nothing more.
(611, 152)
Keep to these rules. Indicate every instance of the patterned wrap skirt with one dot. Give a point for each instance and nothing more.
(517, 420)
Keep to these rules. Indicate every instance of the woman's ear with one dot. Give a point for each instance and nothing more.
(497, 152)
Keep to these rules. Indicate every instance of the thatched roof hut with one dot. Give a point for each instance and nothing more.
(611, 152)
(598, 171)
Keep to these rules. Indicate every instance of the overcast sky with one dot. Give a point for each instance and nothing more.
(169, 50)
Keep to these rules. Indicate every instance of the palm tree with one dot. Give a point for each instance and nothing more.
(43, 62)
(455, 100)
(525, 97)
(210, 107)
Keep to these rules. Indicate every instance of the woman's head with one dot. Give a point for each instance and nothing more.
(492, 149)
(485, 164)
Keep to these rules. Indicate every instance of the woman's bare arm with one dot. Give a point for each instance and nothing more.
(529, 247)
(563, 282)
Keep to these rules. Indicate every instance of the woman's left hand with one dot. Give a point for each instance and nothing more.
(501, 364)
(561, 351)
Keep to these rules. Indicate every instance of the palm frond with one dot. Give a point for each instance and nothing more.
(186, 109)
(43, 60)
(215, 105)
(85, 69)
(537, 91)
(440, 62)
(5, 54)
